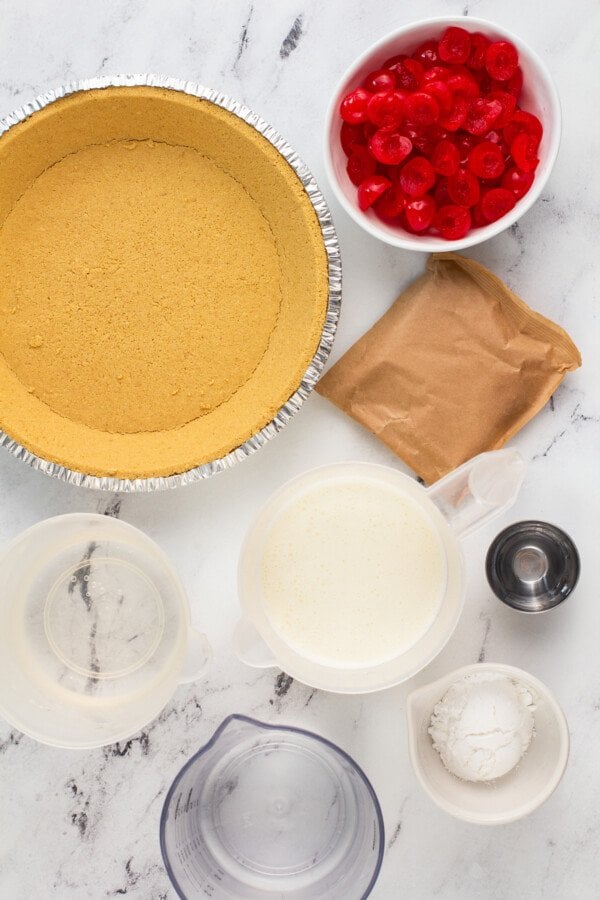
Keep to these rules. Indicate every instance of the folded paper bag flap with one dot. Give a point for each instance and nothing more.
(454, 368)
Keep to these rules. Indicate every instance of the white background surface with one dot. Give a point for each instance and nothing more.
(85, 825)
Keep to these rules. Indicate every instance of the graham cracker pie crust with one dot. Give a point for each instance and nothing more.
(165, 282)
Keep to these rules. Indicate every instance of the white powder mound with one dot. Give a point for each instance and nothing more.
(483, 725)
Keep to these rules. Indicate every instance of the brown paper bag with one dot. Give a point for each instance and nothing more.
(457, 366)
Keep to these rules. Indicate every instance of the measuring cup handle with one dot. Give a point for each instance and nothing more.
(197, 657)
(250, 648)
(480, 489)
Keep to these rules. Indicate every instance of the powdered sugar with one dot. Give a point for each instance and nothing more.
(483, 725)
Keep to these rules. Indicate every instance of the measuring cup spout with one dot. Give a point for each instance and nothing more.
(480, 489)
(250, 648)
(233, 729)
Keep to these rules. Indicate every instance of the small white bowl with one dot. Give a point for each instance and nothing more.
(517, 793)
(539, 96)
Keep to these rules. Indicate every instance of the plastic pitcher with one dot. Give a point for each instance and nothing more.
(95, 631)
(469, 497)
(265, 811)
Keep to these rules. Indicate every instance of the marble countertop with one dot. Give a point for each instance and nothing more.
(77, 825)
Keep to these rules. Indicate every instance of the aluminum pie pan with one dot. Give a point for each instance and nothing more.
(334, 265)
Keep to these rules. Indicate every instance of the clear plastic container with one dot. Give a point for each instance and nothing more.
(94, 631)
(468, 498)
(265, 811)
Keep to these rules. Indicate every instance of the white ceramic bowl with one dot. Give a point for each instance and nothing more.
(506, 799)
(539, 96)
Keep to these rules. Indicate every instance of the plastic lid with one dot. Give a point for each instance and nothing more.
(265, 811)
(93, 630)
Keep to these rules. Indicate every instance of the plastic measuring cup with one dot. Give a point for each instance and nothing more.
(469, 497)
(94, 631)
(269, 811)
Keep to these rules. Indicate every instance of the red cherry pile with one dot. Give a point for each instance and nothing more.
(436, 142)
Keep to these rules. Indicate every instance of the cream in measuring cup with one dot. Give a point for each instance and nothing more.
(353, 572)
(351, 577)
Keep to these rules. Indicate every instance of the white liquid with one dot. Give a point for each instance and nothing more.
(353, 573)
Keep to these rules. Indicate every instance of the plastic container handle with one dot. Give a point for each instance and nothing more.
(480, 489)
(197, 657)
(250, 648)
